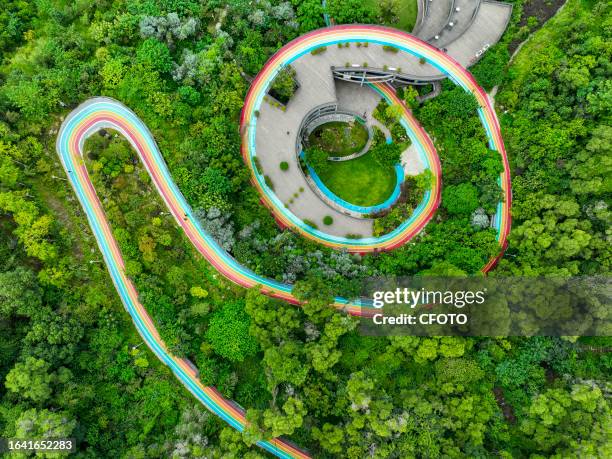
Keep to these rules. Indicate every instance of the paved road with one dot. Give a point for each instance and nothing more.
(104, 113)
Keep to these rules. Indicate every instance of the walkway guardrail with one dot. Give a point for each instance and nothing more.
(365, 75)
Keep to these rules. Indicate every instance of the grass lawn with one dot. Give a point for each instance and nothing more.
(338, 138)
(407, 13)
(360, 181)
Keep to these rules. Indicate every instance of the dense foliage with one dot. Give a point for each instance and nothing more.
(71, 362)
(394, 13)
(557, 99)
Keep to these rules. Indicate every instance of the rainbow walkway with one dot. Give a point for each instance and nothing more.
(104, 113)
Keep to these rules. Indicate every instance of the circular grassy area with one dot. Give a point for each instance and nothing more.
(339, 138)
(361, 181)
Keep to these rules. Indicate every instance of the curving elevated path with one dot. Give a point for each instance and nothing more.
(104, 113)
(377, 36)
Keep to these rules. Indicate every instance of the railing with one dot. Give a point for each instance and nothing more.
(339, 115)
(325, 112)
(422, 13)
(364, 75)
(442, 42)
(439, 32)
(316, 112)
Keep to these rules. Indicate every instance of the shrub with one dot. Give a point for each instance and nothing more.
(320, 50)
(489, 72)
(460, 199)
(317, 159)
(390, 49)
(198, 292)
(155, 54)
(268, 181)
(200, 309)
(328, 220)
(311, 223)
(284, 85)
(228, 332)
(284, 165)
(387, 154)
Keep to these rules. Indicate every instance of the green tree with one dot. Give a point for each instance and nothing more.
(316, 295)
(155, 55)
(387, 154)
(43, 424)
(591, 168)
(228, 332)
(19, 293)
(309, 14)
(460, 199)
(284, 85)
(251, 52)
(9, 170)
(569, 424)
(274, 422)
(330, 437)
(317, 159)
(272, 322)
(32, 98)
(32, 228)
(285, 363)
(490, 70)
(351, 11)
(31, 379)
(410, 97)
(393, 113)
(389, 11)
